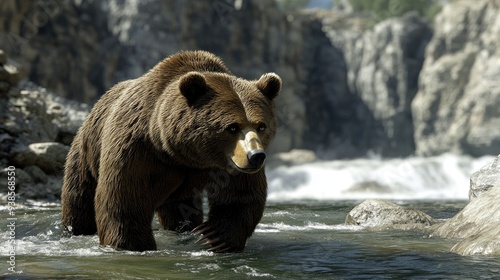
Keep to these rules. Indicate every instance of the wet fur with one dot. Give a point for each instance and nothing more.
(147, 148)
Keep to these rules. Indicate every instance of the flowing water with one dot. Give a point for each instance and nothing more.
(301, 235)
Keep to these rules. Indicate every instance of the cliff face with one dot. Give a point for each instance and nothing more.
(457, 107)
(383, 65)
(347, 89)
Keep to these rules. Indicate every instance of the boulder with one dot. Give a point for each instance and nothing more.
(381, 214)
(478, 223)
(49, 157)
(3, 57)
(22, 178)
(10, 74)
(36, 173)
(484, 179)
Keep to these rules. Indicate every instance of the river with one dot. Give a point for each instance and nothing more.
(301, 236)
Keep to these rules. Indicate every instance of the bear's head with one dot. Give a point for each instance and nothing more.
(224, 122)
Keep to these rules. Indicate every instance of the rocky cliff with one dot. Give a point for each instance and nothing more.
(348, 89)
(457, 107)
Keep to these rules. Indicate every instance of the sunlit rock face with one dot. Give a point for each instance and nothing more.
(478, 223)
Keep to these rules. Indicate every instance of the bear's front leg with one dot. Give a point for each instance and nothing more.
(123, 225)
(236, 205)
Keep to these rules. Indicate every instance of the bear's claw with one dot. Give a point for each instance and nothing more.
(211, 241)
(205, 231)
(200, 229)
(204, 236)
(221, 247)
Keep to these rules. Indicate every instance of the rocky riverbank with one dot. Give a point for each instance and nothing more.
(476, 226)
(36, 131)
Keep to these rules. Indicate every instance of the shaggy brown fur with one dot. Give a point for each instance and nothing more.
(153, 144)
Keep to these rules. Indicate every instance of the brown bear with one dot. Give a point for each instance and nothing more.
(155, 143)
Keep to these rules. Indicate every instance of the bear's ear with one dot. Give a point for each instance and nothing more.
(193, 86)
(270, 85)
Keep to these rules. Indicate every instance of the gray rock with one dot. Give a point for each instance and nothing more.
(28, 119)
(4, 88)
(484, 179)
(383, 65)
(478, 223)
(36, 173)
(31, 187)
(50, 157)
(379, 213)
(10, 74)
(36, 115)
(456, 107)
(3, 58)
(22, 179)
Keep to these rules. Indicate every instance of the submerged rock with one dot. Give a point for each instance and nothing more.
(379, 213)
(479, 222)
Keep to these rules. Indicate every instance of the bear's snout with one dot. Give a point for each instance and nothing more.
(248, 155)
(256, 157)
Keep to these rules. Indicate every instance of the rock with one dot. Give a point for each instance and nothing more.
(4, 88)
(484, 179)
(484, 242)
(50, 157)
(478, 223)
(3, 58)
(36, 173)
(22, 179)
(10, 74)
(28, 118)
(379, 213)
(36, 115)
(383, 66)
(33, 187)
(456, 106)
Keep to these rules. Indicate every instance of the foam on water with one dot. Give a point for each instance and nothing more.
(308, 226)
(440, 177)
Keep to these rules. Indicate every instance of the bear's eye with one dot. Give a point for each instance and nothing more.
(233, 128)
(261, 127)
